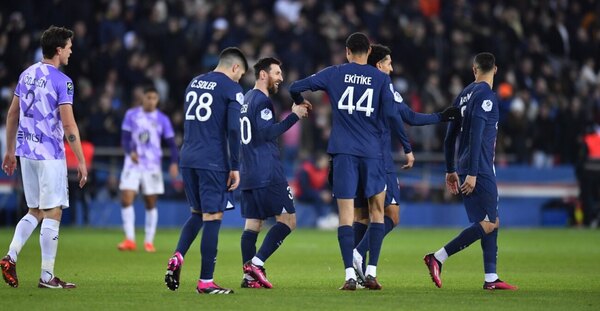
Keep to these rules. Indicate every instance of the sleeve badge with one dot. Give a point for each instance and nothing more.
(70, 88)
(487, 105)
(240, 98)
(266, 114)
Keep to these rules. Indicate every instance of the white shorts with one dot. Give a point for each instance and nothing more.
(151, 181)
(45, 183)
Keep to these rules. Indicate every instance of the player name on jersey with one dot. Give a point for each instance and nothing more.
(357, 79)
(39, 82)
(465, 99)
(205, 85)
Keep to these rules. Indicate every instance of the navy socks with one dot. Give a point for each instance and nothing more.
(188, 233)
(208, 248)
(489, 245)
(273, 240)
(248, 245)
(464, 239)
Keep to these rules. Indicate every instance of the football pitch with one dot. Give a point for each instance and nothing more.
(555, 270)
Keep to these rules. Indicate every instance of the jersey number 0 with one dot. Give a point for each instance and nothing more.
(245, 130)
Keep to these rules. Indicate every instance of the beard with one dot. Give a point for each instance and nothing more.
(272, 88)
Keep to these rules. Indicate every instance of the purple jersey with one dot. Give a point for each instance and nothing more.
(146, 129)
(42, 88)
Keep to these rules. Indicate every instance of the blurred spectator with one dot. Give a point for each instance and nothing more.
(588, 173)
(291, 144)
(543, 144)
(312, 188)
(79, 197)
(517, 129)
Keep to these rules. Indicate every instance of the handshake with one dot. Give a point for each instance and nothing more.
(302, 109)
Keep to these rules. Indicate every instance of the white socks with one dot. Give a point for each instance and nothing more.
(371, 270)
(49, 244)
(350, 274)
(128, 216)
(257, 262)
(491, 277)
(441, 255)
(22, 233)
(128, 222)
(151, 221)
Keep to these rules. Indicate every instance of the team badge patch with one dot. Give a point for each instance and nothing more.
(70, 88)
(487, 105)
(240, 98)
(266, 114)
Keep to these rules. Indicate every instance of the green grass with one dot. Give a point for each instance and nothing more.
(555, 270)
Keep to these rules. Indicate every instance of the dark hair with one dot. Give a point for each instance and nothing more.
(150, 88)
(378, 53)
(265, 64)
(228, 55)
(485, 61)
(53, 38)
(358, 43)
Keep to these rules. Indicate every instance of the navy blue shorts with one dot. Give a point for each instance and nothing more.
(351, 173)
(206, 190)
(270, 201)
(392, 193)
(482, 203)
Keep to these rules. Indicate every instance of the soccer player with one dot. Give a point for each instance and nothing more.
(265, 191)
(142, 130)
(381, 59)
(40, 114)
(209, 162)
(475, 171)
(363, 101)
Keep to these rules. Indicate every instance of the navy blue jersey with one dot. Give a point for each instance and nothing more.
(261, 163)
(411, 118)
(212, 109)
(362, 98)
(477, 130)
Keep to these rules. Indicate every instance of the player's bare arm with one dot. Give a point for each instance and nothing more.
(9, 164)
(72, 134)
(134, 157)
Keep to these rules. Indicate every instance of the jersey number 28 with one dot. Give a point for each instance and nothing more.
(202, 111)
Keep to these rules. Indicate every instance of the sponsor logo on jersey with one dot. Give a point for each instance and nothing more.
(32, 137)
(240, 98)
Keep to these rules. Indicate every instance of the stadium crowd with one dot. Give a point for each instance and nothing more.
(549, 52)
